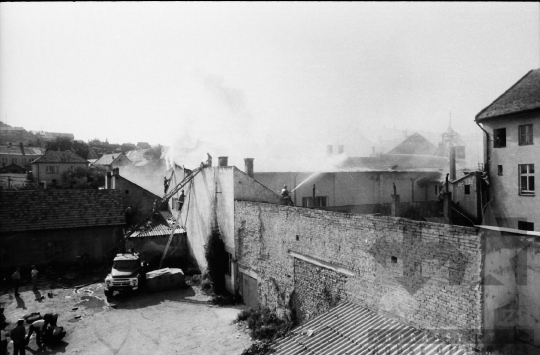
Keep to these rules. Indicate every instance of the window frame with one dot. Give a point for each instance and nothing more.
(500, 170)
(529, 177)
(525, 135)
(497, 143)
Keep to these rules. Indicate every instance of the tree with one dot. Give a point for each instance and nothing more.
(64, 143)
(59, 143)
(84, 178)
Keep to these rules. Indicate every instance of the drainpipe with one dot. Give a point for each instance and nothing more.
(486, 157)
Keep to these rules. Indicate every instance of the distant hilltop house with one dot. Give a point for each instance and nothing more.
(112, 161)
(49, 167)
(512, 127)
(49, 136)
(18, 158)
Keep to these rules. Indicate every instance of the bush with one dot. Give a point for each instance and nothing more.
(264, 324)
(217, 259)
(260, 348)
(206, 285)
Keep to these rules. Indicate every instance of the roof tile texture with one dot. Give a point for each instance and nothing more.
(58, 209)
(522, 96)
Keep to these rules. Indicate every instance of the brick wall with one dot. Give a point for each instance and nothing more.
(424, 274)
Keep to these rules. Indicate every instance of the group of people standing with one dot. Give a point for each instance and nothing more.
(16, 277)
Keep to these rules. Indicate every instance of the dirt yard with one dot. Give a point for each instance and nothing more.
(171, 322)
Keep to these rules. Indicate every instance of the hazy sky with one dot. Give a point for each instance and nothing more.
(158, 72)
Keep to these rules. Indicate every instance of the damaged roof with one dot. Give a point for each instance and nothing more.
(522, 96)
(352, 329)
(59, 209)
(161, 227)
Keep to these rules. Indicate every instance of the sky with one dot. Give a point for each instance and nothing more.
(256, 76)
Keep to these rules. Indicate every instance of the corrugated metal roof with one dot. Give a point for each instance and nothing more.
(352, 329)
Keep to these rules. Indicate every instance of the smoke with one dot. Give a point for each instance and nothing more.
(217, 120)
(147, 175)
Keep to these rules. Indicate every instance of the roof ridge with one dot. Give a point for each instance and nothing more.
(477, 117)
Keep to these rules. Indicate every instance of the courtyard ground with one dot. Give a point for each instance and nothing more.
(171, 322)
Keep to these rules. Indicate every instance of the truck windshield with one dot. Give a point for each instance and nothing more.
(126, 264)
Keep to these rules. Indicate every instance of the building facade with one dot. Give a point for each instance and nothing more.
(49, 167)
(512, 127)
(43, 226)
(18, 155)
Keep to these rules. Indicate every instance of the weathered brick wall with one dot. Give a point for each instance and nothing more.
(424, 274)
(317, 289)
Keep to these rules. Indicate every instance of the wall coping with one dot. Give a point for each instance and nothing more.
(322, 263)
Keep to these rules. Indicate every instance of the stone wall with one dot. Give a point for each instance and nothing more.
(425, 274)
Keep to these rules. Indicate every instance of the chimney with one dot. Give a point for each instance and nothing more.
(452, 163)
(249, 167)
(372, 151)
(329, 149)
(340, 149)
(108, 179)
(394, 207)
(22, 148)
(223, 161)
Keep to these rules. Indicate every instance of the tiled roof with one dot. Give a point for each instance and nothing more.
(159, 228)
(107, 159)
(16, 150)
(351, 329)
(414, 144)
(59, 209)
(522, 96)
(66, 156)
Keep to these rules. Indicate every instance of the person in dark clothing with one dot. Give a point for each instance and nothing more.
(165, 184)
(129, 216)
(3, 339)
(285, 195)
(50, 319)
(18, 336)
(181, 201)
(16, 280)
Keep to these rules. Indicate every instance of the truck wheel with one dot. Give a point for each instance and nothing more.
(108, 293)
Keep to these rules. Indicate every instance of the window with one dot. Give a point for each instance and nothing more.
(51, 169)
(499, 170)
(320, 201)
(54, 182)
(127, 192)
(525, 134)
(5, 160)
(499, 138)
(526, 226)
(526, 179)
(54, 250)
(394, 260)
(14, 160)
(436, 189)
(467, 189)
